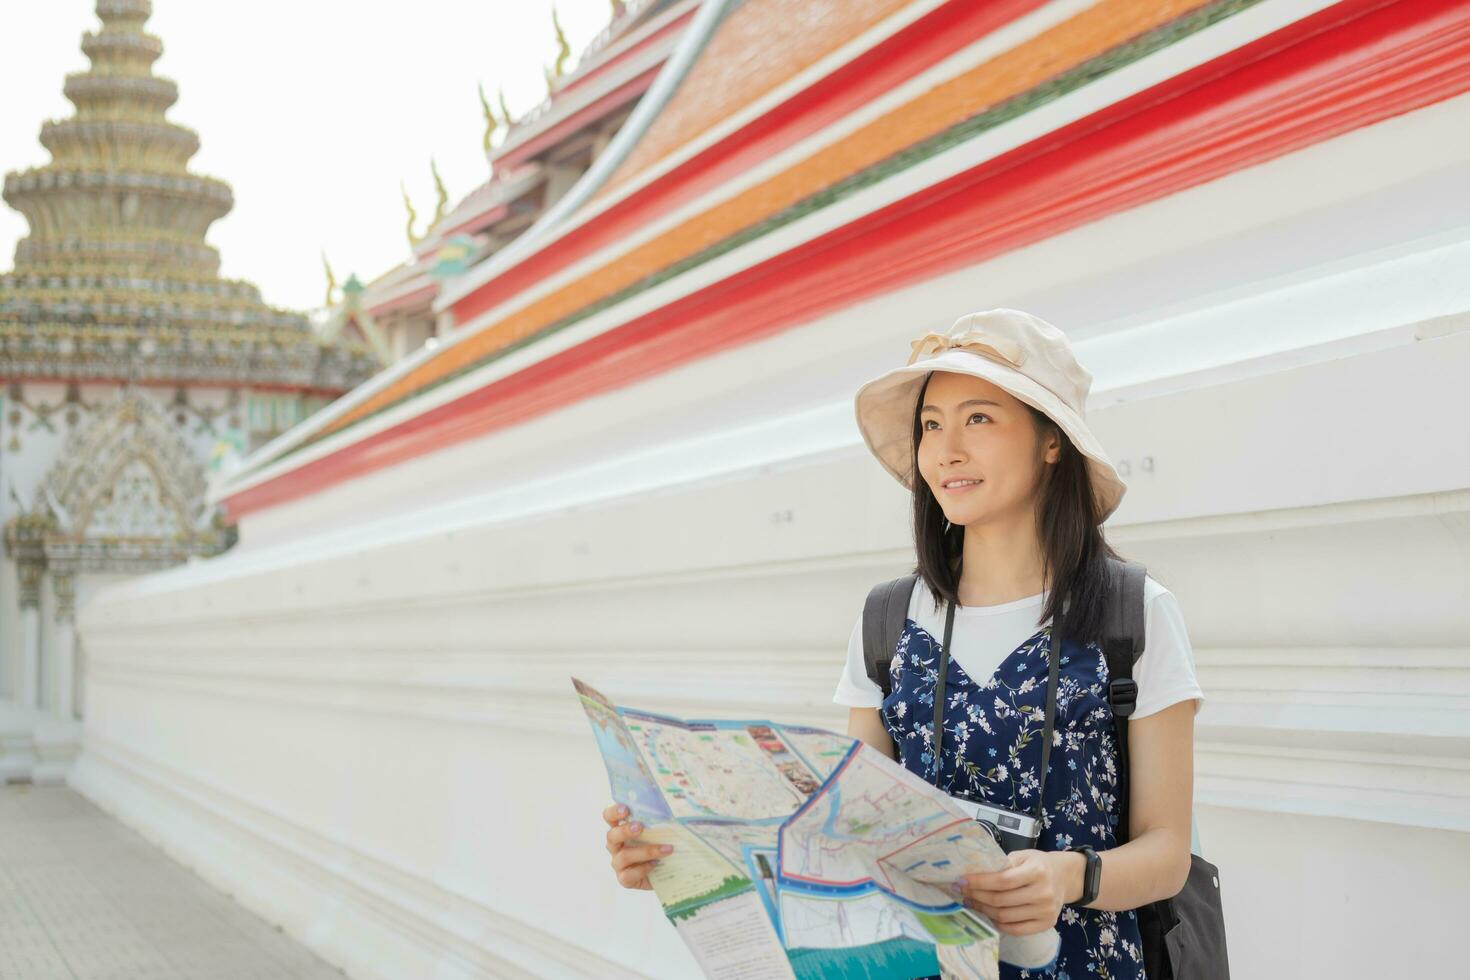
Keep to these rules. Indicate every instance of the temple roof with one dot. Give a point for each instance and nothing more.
(734, 159)
(612, 73)
(758, 47)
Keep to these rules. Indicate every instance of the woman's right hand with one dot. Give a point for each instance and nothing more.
(631, 864)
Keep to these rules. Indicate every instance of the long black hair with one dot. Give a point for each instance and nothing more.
(1074, 549)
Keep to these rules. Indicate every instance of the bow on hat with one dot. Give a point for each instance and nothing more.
(975, 340)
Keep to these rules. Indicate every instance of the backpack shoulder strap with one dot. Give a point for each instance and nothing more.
(884, 613)
(1123, 640)
(1123, 621)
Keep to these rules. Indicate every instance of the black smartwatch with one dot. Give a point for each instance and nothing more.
(1091, 877)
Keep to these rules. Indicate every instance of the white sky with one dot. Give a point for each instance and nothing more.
(313, 111)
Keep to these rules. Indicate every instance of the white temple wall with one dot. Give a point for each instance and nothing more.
(395, 724)
(360, 720)
(88, 586)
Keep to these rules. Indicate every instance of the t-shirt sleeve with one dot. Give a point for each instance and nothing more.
(1165, 670)
(854, 688)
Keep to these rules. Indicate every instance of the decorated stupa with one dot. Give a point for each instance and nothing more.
(132, 372)
(115, 279)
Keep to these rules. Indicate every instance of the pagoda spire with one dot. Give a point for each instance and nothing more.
(116, 249)
(117, 194)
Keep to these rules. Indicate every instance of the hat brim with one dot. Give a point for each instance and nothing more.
(885, 408)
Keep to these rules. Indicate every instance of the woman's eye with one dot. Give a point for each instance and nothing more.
(972, 415)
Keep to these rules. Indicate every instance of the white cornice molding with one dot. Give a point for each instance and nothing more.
(1344, 755)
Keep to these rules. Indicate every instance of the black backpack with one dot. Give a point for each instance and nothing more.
(1184, 936)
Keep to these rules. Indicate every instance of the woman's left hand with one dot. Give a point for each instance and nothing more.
(1028, 896)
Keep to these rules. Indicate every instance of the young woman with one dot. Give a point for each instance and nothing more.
(1011, 490)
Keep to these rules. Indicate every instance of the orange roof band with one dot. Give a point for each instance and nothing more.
(1062, 48)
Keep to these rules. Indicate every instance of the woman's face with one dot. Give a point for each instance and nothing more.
(973, 430)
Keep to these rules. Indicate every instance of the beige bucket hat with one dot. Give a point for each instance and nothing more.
(1013, 350)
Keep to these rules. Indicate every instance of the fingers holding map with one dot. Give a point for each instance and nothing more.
(798, 852)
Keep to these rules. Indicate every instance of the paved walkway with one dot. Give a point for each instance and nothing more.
(83, 897)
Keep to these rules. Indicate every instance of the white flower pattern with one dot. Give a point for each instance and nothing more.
(993, 752)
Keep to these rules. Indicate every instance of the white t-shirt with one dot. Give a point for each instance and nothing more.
(986, 635)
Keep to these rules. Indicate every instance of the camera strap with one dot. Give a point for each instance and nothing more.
(1052, 672)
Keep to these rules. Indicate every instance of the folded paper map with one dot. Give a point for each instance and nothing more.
(801, 853)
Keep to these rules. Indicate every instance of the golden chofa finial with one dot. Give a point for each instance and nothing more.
(441, 205)
(563, 49)
(413, 216)
(331, 279)
(490, 123)
(505, 115)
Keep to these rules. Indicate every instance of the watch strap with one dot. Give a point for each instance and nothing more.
(1091, 875)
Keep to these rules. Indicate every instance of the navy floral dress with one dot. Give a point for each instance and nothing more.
(992, 750)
